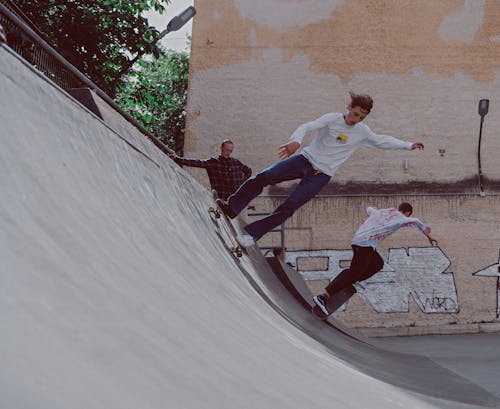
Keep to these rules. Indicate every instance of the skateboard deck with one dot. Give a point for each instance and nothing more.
(225, 228)
(334, 302)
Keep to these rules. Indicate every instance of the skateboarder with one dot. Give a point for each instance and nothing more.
(225, 173)
(365, 260)
(338, 137)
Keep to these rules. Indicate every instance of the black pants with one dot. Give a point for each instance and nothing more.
(365, 263)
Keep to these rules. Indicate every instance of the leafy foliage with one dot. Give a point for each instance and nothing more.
(103, 39)
(156, 96)
(99, 37)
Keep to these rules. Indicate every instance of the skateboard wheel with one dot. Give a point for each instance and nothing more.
(215, 212)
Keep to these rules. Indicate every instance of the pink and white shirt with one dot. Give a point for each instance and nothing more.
(381, 223)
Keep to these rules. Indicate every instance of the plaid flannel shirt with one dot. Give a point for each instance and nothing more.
(225, 174)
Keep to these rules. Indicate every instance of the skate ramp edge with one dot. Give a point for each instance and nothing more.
(117, 292)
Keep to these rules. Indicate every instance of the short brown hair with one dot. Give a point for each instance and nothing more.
(363, 101)
(405, 207)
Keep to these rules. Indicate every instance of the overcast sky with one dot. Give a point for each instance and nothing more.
(175, 40)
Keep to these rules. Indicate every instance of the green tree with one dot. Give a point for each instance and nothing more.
(156, 96)
(99, 37)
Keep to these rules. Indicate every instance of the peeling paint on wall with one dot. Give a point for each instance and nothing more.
(259, 102)
(464, 25)
(284, 15)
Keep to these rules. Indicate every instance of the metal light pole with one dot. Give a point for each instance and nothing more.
(178, 21)
(482, 110)
(173, 25)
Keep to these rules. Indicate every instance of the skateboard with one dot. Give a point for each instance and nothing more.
(225, 228)
(334, 302)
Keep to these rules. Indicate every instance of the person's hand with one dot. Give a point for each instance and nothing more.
(432, 241)
(417, 145)
(288, 149)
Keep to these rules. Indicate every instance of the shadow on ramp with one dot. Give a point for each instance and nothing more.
(283, 288)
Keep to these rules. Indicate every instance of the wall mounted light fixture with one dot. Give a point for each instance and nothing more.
(484, 105)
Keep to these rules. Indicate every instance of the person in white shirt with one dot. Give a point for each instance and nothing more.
(365, 260)
(338, 137)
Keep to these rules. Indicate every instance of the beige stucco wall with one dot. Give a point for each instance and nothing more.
(260, 68)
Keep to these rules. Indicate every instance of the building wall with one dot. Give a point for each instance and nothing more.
(260, 68)
(453, 283)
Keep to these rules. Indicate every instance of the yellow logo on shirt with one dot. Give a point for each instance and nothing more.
(342, 138)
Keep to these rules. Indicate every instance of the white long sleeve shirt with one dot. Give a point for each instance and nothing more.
(336, 141)
(382, 223)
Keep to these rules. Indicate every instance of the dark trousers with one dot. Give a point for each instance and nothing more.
(365, 263)
(295, 167)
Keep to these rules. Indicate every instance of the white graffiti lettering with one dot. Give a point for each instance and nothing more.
(417, 272)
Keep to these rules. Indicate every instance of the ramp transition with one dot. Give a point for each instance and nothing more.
(117, 292)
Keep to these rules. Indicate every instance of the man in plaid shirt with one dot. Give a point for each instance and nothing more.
(226, 174)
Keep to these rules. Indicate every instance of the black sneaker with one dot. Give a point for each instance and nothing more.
(226, 209)
(320, 301)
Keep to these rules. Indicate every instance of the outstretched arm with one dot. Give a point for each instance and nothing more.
(389, 142)
(196, 163)
(298, 135)
(413, 221)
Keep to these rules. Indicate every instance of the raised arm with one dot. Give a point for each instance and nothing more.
(195, 163)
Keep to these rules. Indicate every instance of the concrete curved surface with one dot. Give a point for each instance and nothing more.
(118, 293)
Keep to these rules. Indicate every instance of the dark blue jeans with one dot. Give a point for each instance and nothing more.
(295, 167)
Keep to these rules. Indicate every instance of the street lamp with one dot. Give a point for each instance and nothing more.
(178, 21)
(173, 25)
(482, 110)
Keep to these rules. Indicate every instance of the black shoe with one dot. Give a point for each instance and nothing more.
(226, 209)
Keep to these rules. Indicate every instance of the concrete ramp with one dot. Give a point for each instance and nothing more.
(116, 291)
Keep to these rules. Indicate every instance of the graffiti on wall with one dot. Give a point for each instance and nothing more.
(416, 272)
(492, 271)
